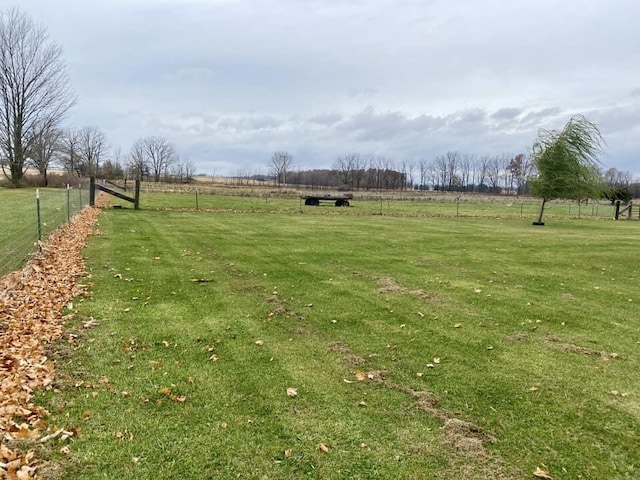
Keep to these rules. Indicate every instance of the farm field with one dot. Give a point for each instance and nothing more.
(246, 345)
(369, 203)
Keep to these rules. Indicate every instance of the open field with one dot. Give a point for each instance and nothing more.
(19, 220)
(417, 347)
(427, 204)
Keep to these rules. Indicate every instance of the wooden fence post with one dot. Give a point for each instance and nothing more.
(136, 197)
(92, 191)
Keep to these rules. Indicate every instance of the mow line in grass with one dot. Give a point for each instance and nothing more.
(474, 339)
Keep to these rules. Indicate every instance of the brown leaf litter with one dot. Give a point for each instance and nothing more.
(31, 304)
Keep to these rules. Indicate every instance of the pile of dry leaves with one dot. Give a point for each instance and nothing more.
(31, 305)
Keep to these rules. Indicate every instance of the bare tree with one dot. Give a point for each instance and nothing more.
(483, 171)
(494, 173)
(442, 172)
(423, 167)
(466, 164)
(92, 146)
(280, 164)
(159, 153)
(349, 167)
(189, 170)
(34, 88)
(70, 151)
(44, 146)
(453, 158)
(137, 164)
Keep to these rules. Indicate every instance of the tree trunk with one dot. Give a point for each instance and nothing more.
(539, 222)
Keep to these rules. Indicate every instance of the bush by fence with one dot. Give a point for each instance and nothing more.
(22, 223)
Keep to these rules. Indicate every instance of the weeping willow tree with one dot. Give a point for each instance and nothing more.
(566, 163)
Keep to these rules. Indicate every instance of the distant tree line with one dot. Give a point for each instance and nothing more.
(507, 174)
(453, 171)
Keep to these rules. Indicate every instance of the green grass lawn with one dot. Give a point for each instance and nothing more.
(419, 347)
(19, 220)
(371, 203)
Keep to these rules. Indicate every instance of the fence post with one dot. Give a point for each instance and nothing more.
(92, 191)
(136, 196)
(80, 195)
(197, 206)
(617, 214)
(68, 204)
(38, 214)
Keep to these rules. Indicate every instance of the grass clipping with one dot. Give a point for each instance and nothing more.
(31, 305)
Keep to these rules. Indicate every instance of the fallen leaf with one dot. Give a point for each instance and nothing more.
(292, 392)
(260, 342)
(541, 473)
(533, 389)
(360, 376)
(457, 325)
(65, 450)
(436, 360)
(181, 399)
(213, 358)
(288, 453)
(324, 447)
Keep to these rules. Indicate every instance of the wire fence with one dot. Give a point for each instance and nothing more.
(428, 204)
(28, 216)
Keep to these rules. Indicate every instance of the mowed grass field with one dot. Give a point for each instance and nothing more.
(286, 345)
(371, 203)
(19, 220)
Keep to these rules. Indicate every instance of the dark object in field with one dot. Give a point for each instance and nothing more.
(340, 201)
(538, 223)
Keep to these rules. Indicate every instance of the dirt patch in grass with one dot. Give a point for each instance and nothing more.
(518, 337)
(389, 285)
(466, 439)
(347, 355)
(564, 346)
(279, 306)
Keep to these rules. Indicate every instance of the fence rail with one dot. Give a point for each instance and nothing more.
(30, 215)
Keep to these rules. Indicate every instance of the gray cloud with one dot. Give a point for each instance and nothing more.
(230, 81)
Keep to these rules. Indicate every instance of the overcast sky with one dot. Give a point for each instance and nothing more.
(231, 81)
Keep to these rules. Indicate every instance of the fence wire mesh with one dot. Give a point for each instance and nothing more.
(21, 225)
